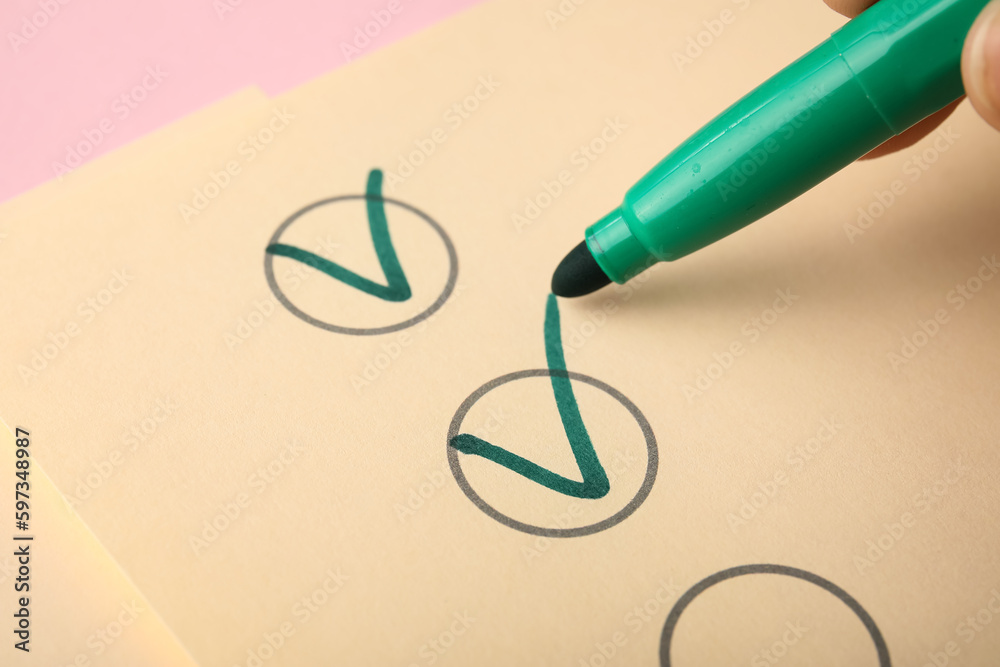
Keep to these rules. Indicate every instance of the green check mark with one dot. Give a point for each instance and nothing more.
(396, 288)
(595, 482)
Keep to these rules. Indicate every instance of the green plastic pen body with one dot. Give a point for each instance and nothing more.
(884, 71)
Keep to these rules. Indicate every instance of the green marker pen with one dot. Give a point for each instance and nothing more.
(884, 71)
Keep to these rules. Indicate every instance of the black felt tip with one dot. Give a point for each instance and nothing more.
(578, 274)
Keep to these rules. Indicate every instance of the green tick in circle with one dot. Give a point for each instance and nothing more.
(595, 481)
(396, 288)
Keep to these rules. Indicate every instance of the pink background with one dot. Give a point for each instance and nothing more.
(64, 78)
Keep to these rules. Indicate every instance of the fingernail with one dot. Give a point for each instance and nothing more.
(985, 57)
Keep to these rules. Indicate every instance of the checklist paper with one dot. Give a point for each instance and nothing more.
(302, 378)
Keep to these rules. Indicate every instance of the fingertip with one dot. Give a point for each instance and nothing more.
(914, 134)
(981, 64)
(850, 8)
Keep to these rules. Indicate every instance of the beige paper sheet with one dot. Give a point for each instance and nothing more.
(84, 610)
(296, 505)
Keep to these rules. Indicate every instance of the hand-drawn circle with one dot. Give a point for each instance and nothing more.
(765, 568)
(652, 456)
(449, 286)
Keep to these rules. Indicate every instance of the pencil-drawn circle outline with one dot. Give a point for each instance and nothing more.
(353, 331)
(667, 637)
(652, 456)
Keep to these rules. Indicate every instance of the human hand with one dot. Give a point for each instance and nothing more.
(980, 73)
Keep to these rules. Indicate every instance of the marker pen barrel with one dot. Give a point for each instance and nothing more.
(883, 72)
